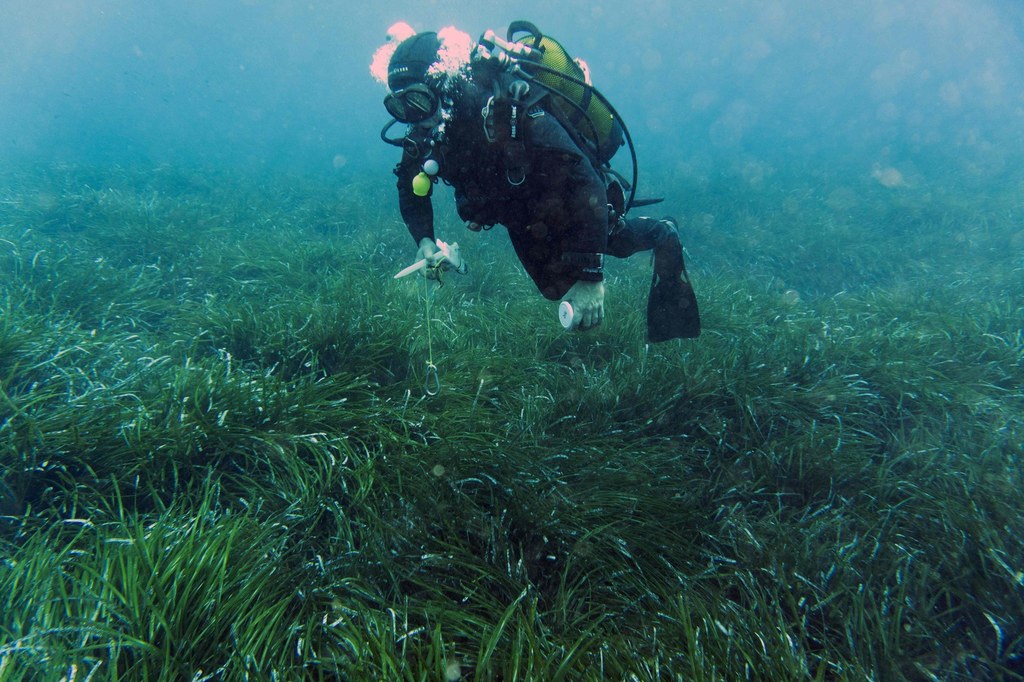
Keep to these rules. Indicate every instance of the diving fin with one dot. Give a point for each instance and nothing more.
(672, 311)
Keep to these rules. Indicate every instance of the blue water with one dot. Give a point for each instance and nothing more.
(924, 87)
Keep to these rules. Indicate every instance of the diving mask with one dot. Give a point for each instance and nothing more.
(412, 104)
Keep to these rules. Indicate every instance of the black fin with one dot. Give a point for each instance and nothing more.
(672, 311)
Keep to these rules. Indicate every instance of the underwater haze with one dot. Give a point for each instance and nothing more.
(233, 446)
(258, 84)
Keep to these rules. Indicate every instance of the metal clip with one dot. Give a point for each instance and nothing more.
(432, 381)
(487, 113)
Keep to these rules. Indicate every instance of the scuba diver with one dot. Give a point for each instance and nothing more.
(523, 138)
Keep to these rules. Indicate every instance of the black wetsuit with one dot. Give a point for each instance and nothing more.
(553, 202)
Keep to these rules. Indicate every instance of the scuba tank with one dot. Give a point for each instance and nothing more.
(577, 104)
(584, 112)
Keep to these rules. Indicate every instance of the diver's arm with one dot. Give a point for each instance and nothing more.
(583, 192)
(588, 243)
(417, 212)
(586, 197)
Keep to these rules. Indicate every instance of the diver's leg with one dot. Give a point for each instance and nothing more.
(643, 234)
(639, 234)
(671, 306)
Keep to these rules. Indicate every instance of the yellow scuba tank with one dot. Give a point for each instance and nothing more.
(589, 115)
(565, 87)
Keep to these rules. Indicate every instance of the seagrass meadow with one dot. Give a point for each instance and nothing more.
(219, 461)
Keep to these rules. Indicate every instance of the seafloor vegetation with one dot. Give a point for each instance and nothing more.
(218, 461)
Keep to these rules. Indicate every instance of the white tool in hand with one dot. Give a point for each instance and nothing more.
(450, 253)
